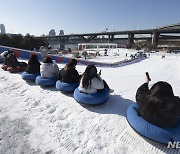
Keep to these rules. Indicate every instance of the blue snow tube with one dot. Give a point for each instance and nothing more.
(45, 81)
(29, 77)
(91, 99)
(66, 87)
(150, 131)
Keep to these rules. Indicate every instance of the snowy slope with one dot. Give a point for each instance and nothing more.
(43, 120)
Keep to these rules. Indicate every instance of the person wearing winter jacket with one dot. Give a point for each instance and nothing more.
(158, 105)
(49, 68)
(4, 54)
(44, 52)
(33, 65)
(11, 60)
(91, 82)
(69, 73)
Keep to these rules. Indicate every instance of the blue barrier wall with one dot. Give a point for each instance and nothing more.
(25, 54)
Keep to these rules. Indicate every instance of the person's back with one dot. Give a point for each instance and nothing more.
(5, 54)
(95, 85)
(91, 82)
(69, 74)
(12, 60)
(48, 69)
(33, 65)
(158, 105)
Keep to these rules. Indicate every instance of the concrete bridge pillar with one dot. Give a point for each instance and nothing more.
(130, 40)
(62, 44)
(155, 37)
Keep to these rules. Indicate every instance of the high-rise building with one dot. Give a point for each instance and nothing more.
(61, 32)
(52, 32)
(2, 29)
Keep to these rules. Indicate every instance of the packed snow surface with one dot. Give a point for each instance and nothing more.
(43, 120)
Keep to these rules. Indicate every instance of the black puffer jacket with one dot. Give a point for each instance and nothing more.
(69, 75)
(163, 113)
(11, 60)
(33, 68)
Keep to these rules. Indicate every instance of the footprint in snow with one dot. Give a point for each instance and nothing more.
(52, 109)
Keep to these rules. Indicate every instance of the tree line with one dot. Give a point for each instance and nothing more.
(27, 42)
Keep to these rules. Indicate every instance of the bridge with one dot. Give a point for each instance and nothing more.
(170, 32)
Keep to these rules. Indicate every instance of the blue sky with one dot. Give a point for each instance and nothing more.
(38, 17)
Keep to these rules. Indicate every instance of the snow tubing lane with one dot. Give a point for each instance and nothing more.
(66, 87)
(150, 131)
(45, 81)
(91, 99)
(16, 69)
(27, 76)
